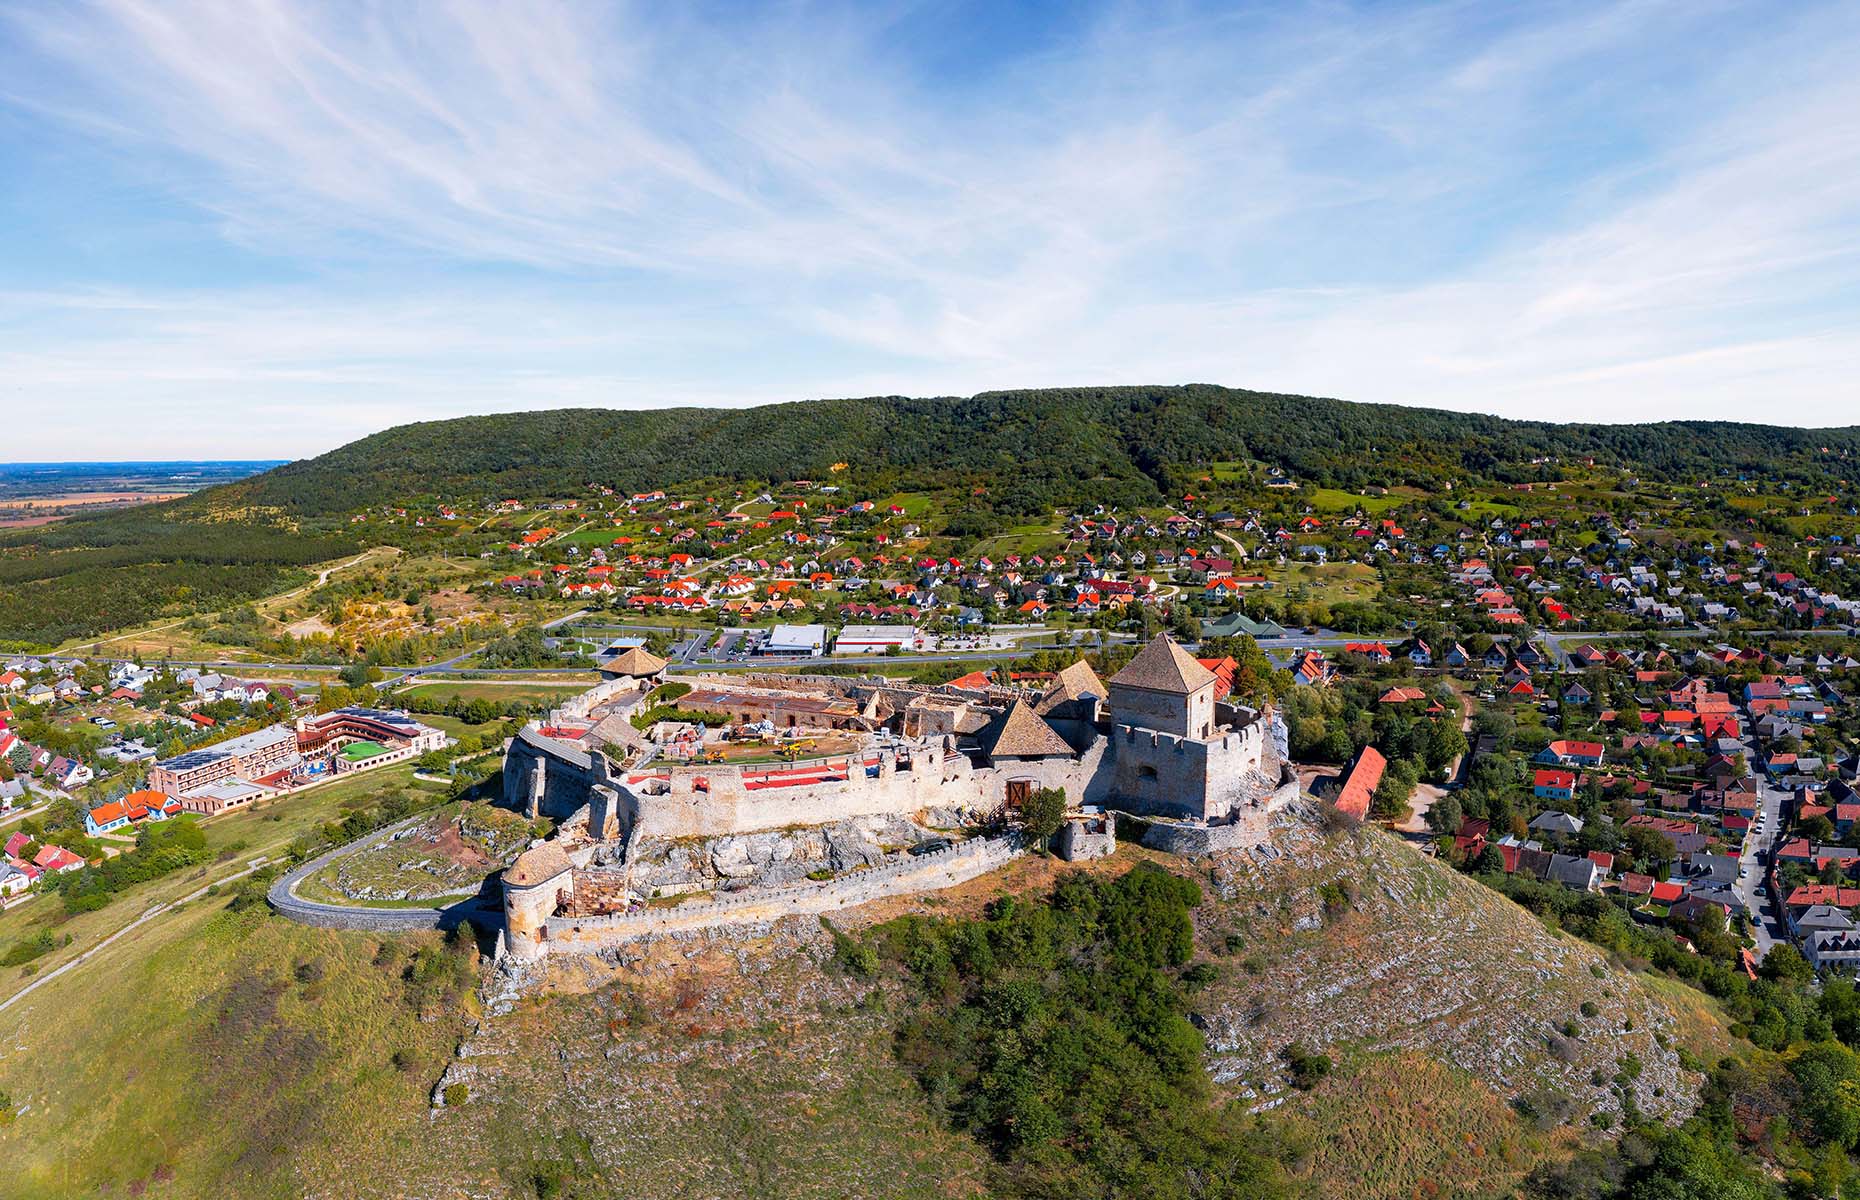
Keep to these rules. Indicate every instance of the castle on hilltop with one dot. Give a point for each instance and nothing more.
(1157, 742)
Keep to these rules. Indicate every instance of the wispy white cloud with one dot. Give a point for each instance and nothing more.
(1613, 210)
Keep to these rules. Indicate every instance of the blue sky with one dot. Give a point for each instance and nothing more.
(263, 229)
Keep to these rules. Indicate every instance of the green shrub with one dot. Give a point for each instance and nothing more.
(29, 948)
(1307, 1069)
(1200, 975)
(1056, 1032)
(849, 954)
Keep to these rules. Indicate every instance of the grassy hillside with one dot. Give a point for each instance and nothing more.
(1356, 940)
(223, 1053)
(1470, 1041)
(232, 1052)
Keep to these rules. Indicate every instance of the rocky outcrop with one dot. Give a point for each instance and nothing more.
(774, 858)
(1354, 940)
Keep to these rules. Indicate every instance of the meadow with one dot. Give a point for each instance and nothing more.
(219, 1053)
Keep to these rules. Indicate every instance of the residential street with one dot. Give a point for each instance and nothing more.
(1759, 844)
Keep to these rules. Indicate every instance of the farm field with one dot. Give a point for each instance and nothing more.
(914, 504)
(1333, 500)
(1486, 509)
(528, 692)
(456, 726)
(1231, 471)
(601, 536)
(1038, 537)
(1328, 583)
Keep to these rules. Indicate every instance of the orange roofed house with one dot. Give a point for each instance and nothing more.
(1356, 787)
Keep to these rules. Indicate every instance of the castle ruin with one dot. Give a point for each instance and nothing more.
(1155, 743)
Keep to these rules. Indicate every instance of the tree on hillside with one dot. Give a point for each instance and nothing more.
(1391, 798)
(1042, 814)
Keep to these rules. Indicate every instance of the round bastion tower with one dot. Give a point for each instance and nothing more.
(534, 887)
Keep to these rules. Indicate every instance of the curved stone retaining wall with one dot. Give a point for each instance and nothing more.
(284, 899)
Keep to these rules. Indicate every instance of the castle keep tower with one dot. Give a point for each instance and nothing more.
(1174, 757)
(536, 884)
(1164, 689)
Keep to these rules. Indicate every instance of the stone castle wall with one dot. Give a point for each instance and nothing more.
(716, 801)
(1138, 769)
(1161, 711)
(1161, 774)
(586, 702)
(1249, 827)
(544, 776)
(924, 873)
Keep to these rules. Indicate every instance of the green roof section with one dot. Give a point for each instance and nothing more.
(1236, 624)
(357, 751)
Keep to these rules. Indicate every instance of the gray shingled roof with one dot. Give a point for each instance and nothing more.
(1020, 733)
(1163, 666)
(1072, 683)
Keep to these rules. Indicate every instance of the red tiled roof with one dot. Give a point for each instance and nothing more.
(1359, 785)
(1811, 894)
(115, 810)
(56, 858)
(1577, 749)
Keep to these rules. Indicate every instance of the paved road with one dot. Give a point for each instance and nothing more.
(134, 925)
(20, 814)
(1765, 911)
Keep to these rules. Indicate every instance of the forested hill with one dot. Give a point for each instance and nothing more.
(1119, 443)
(997, 457)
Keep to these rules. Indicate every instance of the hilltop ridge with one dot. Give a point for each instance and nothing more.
(1107, 443)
